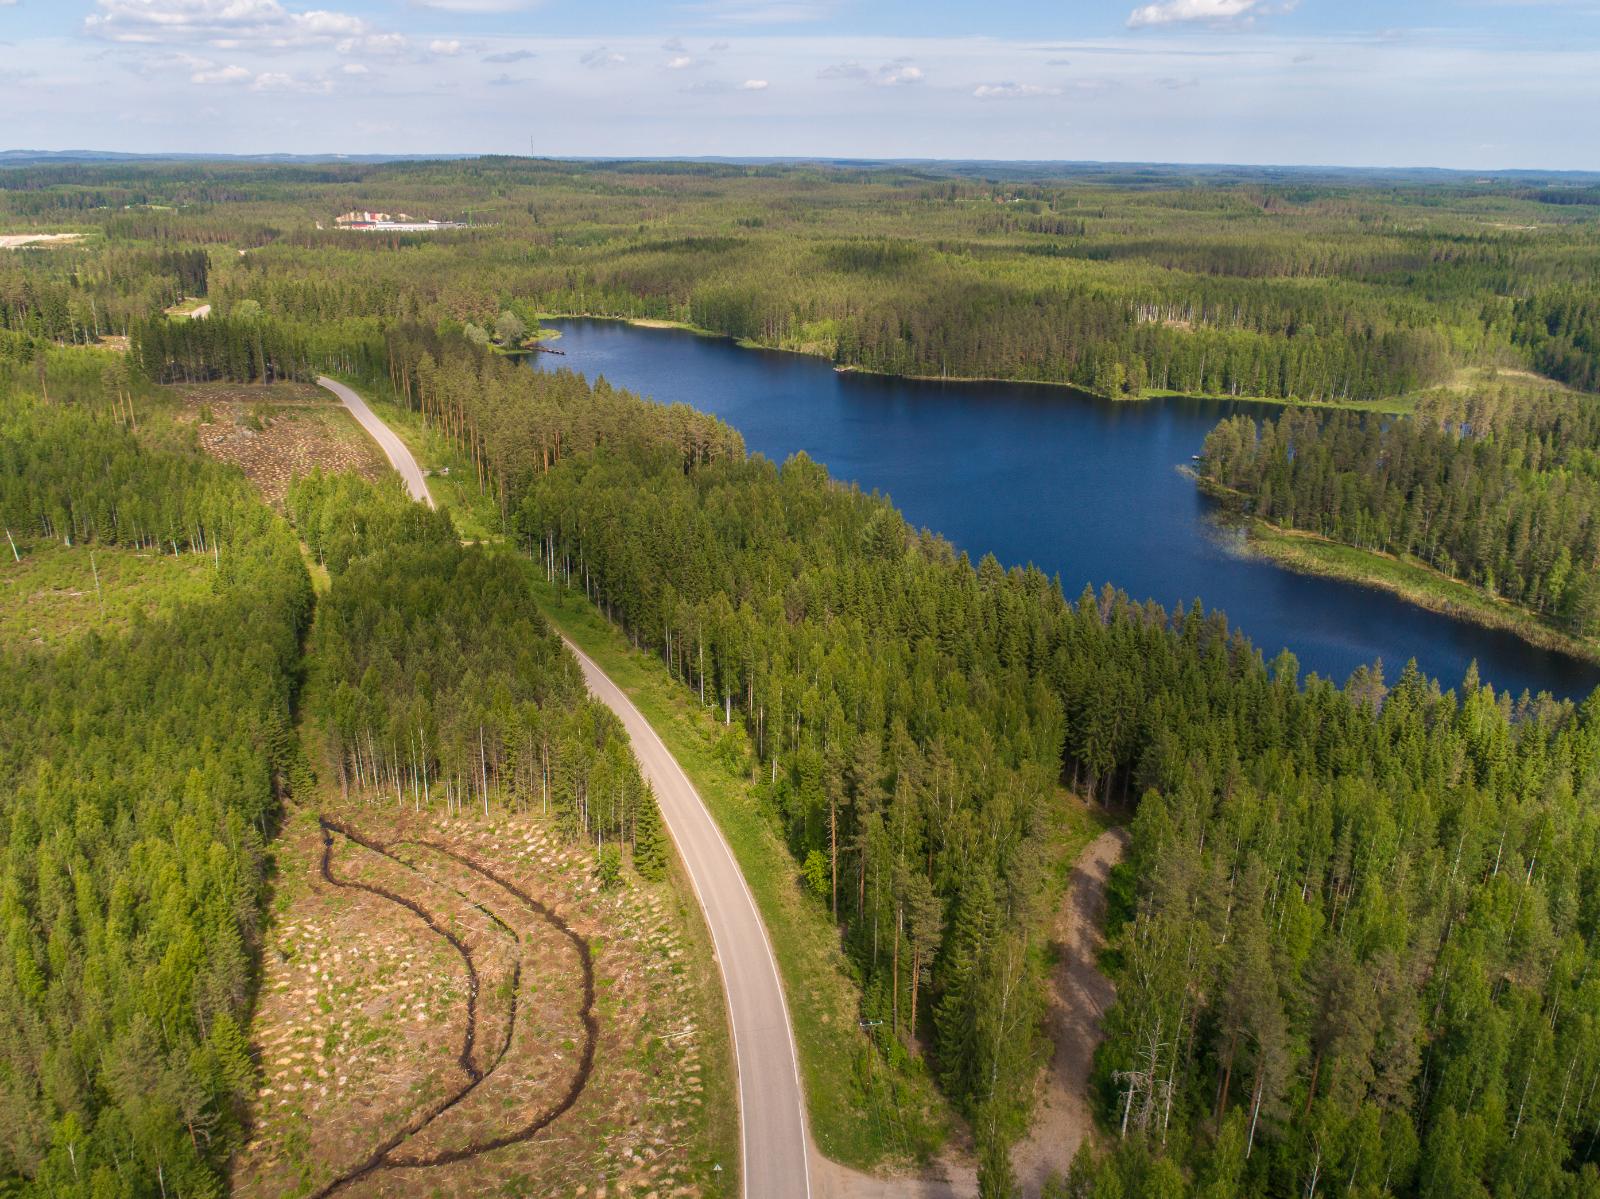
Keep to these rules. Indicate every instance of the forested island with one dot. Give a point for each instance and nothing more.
(1354, 933)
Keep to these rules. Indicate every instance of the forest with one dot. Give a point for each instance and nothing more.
(1356, 929)
(1353, 939)
(142, 776)
(1328, 289)
(434, 678)
(1499, 488)
(145, 772)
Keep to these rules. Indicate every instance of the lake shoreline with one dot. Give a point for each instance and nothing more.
(1387, 407)
(1414, 582)
(1092, 490)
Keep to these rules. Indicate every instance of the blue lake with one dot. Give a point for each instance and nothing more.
(1084, 488)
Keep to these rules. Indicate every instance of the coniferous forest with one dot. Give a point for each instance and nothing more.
(1313, 288)
(1355, 934)
(142, 776)
(1498, 488)
(1355, 916)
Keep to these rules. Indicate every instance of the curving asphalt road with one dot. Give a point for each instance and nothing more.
(775, 1142)
(393, 448)
(771, 1104)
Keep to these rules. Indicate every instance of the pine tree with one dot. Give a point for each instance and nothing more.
(650, 845)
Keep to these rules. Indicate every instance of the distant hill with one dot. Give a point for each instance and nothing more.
(1120, 174)
(22, 157)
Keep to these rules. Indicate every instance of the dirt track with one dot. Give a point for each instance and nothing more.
(1078, 996)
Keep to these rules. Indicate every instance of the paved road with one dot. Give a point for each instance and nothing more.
(771, 1104)
(775, 1147)
(394, 449)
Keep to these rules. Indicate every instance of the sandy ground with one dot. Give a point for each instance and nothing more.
(1079, 995)
(364, 1006)
(11, 241)
(947, 1180)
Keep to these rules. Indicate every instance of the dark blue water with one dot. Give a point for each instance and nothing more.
(1079, 486)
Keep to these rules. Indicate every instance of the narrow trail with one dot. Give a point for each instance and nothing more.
(1078, 997)
(384, 1156)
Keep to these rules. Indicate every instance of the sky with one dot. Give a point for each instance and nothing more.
(1472, 84)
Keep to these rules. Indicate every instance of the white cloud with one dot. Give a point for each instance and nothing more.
(891, 74)
(1012, 91)
(448, 48)
(355, 68)
(763, 12)
(213, 74)
(1432, 101)
(275, 81)
(721, 87)
(1215, 12)
(603, 56)
(383, 44)
(679, 63)
(843, 70)
(223, 23)
(899, 75)
(475, 6)
(510, 56)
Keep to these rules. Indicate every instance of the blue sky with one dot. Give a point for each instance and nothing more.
(1467, 83)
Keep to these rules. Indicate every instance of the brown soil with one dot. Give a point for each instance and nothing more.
(454, 1008)
(277, 433)
(949, 1178)
(1078, 996)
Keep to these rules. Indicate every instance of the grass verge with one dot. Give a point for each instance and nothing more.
(452, 480)
(1414, 582)
(861, 1112)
